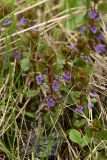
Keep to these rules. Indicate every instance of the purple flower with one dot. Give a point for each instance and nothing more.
(79, 109)
(55, 85)
(51, 102)
(82, 29)
(23, 21)
(90, 105)
(7, 22)
(100, 48)
(94, 29)
(73, 47)
(17, 55)
(100, 37)
(39, 79)
(66, 77)
(93, 14)
(56, 77)
(93, 95)
(85, 58)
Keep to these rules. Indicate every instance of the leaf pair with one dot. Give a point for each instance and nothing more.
(76, 137)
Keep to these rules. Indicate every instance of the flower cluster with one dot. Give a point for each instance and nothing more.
(65, 78)
(58, 85)
(94, 31)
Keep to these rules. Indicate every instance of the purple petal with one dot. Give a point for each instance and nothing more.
(93, 95)
(66, 77)
(17, 55)
(90, 105)
(94, 29)
(79, 109)
(23, 21)
(100, 48)
(39, 79)
(93, 14)
(55, 85)
(51, 102)
(7, 22)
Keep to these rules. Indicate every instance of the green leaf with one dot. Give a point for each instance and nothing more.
(26, 55)
(89, 70)
(25, 64)
(73, 98)
(93, 100)
(104, 134)
(59, 64)
(75, 21)
(79, 62)
(75, 95)
(87, 3)
(89, 131)
(7, 1)
(73, 3)
(42, 47)
(31, 93)
(58, 110)
(85, 141)
(75, 136)
(103, 7)
(64, 88)
(79, 123)
(58, 69)
(29, 114)
(57, 33)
